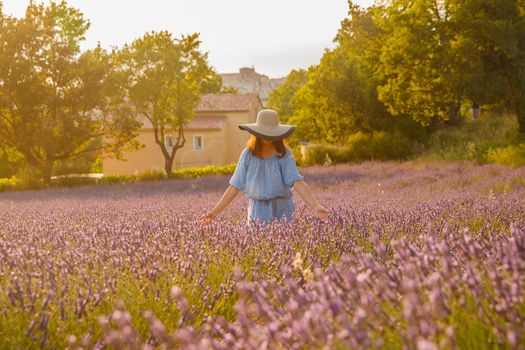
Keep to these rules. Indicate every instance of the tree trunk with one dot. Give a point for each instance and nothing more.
(516, 80)
(454, 114)
(519, 109)
(46, 168)
(168, 165)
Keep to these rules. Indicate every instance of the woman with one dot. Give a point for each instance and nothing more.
(266, 172)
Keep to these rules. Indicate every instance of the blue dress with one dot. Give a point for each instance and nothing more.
(267, 184)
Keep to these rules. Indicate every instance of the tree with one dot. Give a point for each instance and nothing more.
(164, 78)
(489, 43)
(340, 95)
(228, 90)
(280, 99)
(437, 54)
(10, 161)
(55, 100)
(417, 67)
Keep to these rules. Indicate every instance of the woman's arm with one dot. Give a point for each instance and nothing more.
(303, 189)
(228, 196)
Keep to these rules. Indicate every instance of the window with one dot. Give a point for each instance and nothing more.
(168, 141)
(198, 144)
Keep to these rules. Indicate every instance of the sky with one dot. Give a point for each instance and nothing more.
(274, 36)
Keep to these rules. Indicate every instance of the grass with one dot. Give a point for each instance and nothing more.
(493, 138)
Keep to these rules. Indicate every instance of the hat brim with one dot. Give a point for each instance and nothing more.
(271, 133)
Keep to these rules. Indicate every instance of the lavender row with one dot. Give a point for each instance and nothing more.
(412, 256)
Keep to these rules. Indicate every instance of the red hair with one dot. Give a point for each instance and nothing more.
(255, 146)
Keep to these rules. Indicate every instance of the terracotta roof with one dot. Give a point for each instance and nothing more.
(201, 122)
(227, 102)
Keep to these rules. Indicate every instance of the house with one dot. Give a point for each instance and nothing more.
(247, 80)
(212, 137)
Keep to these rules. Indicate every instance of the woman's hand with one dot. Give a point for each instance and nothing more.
(207, 218)
(321, 212)
(230, 193)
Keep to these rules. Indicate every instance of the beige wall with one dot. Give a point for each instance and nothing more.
(213, 152)
(150, 156)
(137, 161)
(236, 138)
(220, 147)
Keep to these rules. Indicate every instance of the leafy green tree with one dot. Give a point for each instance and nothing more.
(10, 161)
(228, 90)
(280, 99)
(437, 54)
(416, 61)
(489, 52)
(164, 78)
(54, 99)
(340, 95)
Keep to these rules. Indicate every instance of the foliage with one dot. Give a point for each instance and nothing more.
(31, 182)
(435, 54)
(10, 184)
(473, 139)
(410, 257)
(280, 99)
(228, 90)
(98, 166)
(417, 61)
(410, 66)
(10, 161)
(55, 99)
(81, 164)
(163, 78)
(204, 171)
(360, 147)
(513, 155)
(117, 179)
(340, 95)
(298, 156)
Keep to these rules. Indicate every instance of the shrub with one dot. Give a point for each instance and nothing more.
(9, 184)
(360, 147)
(204, 171)
(318, 154)
(473, 140)
(151, 175)
(17, 184)
(513, 155)
(115, 179)
(98, 166)
(10, 162)
(296, 151)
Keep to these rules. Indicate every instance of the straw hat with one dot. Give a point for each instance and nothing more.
(268, 127)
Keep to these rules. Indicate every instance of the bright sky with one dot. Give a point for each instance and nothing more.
(274, 36)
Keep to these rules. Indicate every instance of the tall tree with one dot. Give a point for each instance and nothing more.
(280, 99)
(416, 61)
(54, 99)
(164, 78)
(340, 94)
(489, 47)
(437, 54)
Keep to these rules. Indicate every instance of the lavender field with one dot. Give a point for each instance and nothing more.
(413, 256)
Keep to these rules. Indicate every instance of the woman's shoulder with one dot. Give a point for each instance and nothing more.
(245, 156)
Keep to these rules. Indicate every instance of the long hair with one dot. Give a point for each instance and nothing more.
(255, 146)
